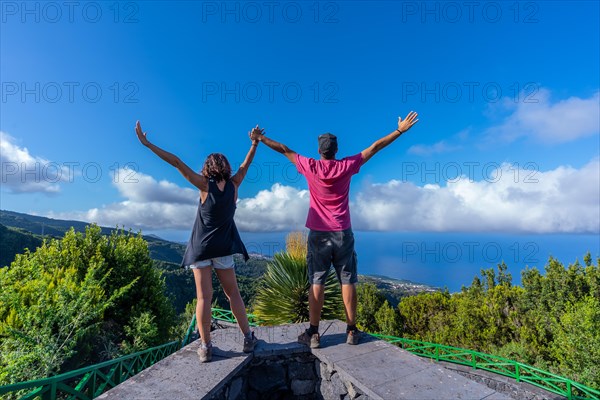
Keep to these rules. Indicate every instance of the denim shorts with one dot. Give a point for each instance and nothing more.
(327, 248)
(225, 262)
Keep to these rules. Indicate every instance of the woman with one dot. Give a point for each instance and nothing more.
(214, 237)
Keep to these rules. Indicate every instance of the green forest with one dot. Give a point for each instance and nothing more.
(91, 296)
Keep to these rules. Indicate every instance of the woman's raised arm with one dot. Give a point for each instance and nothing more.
(241, 173)
(195, 179)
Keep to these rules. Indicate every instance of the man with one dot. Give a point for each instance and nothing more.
(330, 240)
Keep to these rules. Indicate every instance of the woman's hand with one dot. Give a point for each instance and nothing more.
(255, 134)
(141, 135)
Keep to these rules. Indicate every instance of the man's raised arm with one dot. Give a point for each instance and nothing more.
(403, 126)
(278, 147)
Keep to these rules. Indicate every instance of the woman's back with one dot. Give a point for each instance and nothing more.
(214, 233)
(218, 207)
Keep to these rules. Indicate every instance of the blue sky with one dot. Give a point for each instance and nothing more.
(507, 95)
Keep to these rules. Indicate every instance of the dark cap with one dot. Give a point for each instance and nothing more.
(328, 145)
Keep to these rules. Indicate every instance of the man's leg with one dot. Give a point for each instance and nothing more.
(318, 259)
(345, 263)
(349, 297)
(316, 298)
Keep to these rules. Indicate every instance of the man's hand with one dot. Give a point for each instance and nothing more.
(403, 126)
(408, 122)
(141, 135)
(255, 134)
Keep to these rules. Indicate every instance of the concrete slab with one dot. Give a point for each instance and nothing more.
(378, 367)
(181, 376)
(382, 370)
(278, 340)
(435, 383)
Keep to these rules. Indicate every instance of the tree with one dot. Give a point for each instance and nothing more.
(368, 301)
(45, 313)
(79, 300)
(576, 346)
(388, 320)
(426, 316)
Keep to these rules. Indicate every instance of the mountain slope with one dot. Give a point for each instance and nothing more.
(14, 241)
(18, 231)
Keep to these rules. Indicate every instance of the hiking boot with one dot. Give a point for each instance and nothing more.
(249, 343)
(354, 336)
(313, 341)
(205, 352)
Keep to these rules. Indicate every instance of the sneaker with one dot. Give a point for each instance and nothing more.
(353, 337)
(205, 352)
(313, 341)
(249, 343)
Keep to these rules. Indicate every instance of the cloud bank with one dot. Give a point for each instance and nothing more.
(562, 200)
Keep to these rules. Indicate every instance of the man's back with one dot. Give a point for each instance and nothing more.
(329, 186)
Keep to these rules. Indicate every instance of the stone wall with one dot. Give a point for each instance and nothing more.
(333, 386)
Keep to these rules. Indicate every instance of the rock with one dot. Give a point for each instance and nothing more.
(338, 385)
(333, 389)
(353, 391)
(267, 377)
(302, 387)
(301, 370)
(325, 371)
(235, 389)
(253, 395)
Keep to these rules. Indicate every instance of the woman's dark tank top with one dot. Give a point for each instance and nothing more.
(214, 233)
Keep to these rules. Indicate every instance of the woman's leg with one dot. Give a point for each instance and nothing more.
(230, 287)
(204, 292)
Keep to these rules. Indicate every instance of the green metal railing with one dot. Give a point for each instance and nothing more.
(90, 382)
(227, 315)
(218, 314)
(498, 365)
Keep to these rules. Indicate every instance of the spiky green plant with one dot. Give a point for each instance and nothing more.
(283, 294)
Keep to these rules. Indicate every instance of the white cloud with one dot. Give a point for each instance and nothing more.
(564, 200)
(25, 173)
(149, 204)
(536, 116)
(277, 209)
(437, 148)
(142, 188)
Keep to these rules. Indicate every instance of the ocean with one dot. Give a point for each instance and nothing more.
(448, 259)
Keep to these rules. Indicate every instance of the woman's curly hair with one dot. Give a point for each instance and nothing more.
(216, 167)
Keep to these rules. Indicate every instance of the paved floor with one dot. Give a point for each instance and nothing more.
(379, 369)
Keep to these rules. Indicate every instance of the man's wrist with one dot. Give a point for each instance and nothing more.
(399, 131)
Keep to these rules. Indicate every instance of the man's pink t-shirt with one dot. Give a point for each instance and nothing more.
(329, 186)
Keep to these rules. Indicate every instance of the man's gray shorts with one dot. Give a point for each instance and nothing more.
(326, 248)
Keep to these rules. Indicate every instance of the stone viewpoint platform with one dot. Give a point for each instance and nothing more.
(280, 368)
